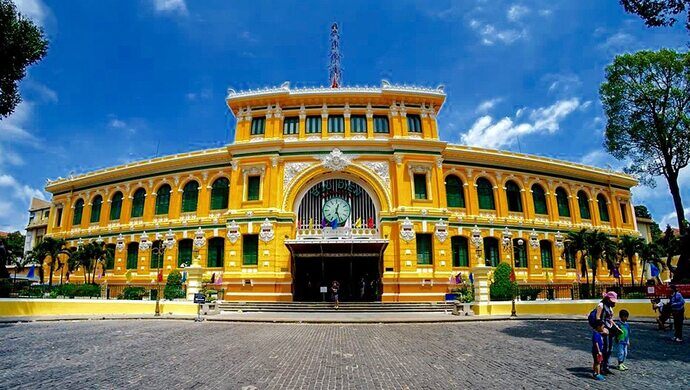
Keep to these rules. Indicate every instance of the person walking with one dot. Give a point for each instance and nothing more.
(677, 303)
(335, 287)
(611, 330)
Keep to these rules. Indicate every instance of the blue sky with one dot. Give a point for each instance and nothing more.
(124, 80)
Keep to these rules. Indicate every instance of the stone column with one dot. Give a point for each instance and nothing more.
(481, 290)
(194, 275)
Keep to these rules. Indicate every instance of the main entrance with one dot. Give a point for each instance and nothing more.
(337, 239)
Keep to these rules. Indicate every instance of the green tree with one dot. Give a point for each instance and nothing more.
(629, 246)
(49, 251)
(173, 286)
(90, 257)
(601, 249)
(502, 288)
(658, 13)
(650, 253)
(21, 44)
(11, 248)
(646, 98)
(575, 244)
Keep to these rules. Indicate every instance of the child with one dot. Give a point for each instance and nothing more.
(623, 339)
(598, 349)
(664, 311)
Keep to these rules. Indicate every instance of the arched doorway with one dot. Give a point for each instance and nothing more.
(337, 238)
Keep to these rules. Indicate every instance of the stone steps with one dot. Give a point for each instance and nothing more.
(361, 307)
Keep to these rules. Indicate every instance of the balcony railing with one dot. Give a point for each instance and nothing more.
(337, 233)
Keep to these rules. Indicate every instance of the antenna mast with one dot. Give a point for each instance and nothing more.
(335, 72)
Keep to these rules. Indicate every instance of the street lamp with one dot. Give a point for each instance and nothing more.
(508, 247)
(159, 251)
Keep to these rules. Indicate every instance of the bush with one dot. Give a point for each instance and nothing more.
(211, 295)
(133, 293)
(502, 289)
(35, 291)
(464, 293)
(530, 293)
(635, 295)
(173, 286)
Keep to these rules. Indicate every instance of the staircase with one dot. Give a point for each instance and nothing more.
(349, 307)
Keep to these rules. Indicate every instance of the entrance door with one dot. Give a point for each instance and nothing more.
(359, 278)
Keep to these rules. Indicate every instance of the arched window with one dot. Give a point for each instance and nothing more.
(163, 199)
(520, 252)
(546, 254)
(460, 250)
(78, 211)
(539, 198)
(514, 197)
(132, 255)
(485, 193)
(491, 251)
(603, 208)
(96, 208)
(216, 250)
(220, 192)
(562, 202)
(570, 260)
(116, 206)
(583, 203)
(455, 197)
(184, 252)
(190, 196)
(138, 203)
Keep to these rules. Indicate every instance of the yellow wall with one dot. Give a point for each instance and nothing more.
(61, 307)
(636, 307)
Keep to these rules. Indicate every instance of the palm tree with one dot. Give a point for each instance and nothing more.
(650, 253)
(575, 244)
(601, 249)
(629, 247)
(20, 264)
(53, 248)
(88, 257)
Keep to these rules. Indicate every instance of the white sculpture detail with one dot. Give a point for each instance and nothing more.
(441, 230)
(381, 170)
(336, 160)
(292, 169)
(266, 233)
(407, 230)
(233, 231)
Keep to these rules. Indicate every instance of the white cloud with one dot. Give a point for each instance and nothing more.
(485, 132)
(671, 219)
(15, 202)
(170, 6)
(13, 128)
(619, 42)
(204, 94)
(516, 12)
(562, 83)
(119, 124)
(33, 9)
(487, 105)
(43, 92)
(491, 35)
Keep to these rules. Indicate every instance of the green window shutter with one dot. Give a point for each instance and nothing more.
(414, 124)
(420, 186)
(485, 193)
(569, 260)
(624, 214)
(424, 249)
(132, 254)
(116, 206)
(520, 254)
(163, 200)
(603, 209)
(583, 202)
(250, 249)
(253, 187)
(539, 198)
(313, 124)
(138, 203)
(58, 217)
(190, 197)
(546, 255)
(460, 251)
(562, 202)
(336, 124)
(110, 257)
(220, 191)
(381, 124)
(358, 124)
(491, 251)
(455, 196)
(216, 247)
(291, 125)
(78, 210)
(96, 209)
(184, 252)
(514, 197)
(258, 126)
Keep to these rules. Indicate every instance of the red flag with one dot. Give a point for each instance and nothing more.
(160, 276)
(512, 274)
(370, 223)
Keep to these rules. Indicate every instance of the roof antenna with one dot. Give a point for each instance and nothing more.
(334, 69)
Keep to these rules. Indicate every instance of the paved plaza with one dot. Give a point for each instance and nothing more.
(175, 354)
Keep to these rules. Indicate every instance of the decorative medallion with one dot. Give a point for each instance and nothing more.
(233, 231)
(476, 237)
(266, 233)
(407, 230)
(199, 239)
(534, 239)
(292, 169)
(336, 160)
(441, 230)
(380, 168)
(144, 243)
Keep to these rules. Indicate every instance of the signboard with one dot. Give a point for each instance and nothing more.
(663, 290)
(199, 298)
(324, 289)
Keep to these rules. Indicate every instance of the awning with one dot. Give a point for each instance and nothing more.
(336, 248)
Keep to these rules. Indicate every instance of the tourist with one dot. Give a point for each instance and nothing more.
(623, 339)
(677, 303)
(664, 310)
(597, 349)
(362, 288)
(335, 286)
(605, 313)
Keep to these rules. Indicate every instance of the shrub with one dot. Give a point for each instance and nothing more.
(133, 293)
(211, 295)
(635, 295)
(464, 293)
(502, 289)
(173, 286)
(530, 293)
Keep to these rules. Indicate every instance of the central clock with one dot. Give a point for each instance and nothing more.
(336, 209)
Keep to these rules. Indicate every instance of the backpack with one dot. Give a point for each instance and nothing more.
(592, 317)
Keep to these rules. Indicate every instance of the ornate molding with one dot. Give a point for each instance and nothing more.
(336, 160)
(233, 233)
(254, 170)
(266, 233)
(381, 169)
(407, 230)
(441, 230)
(291, 170)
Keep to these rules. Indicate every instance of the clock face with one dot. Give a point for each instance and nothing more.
(336, 208)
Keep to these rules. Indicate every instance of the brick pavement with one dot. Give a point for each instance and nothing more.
(185, 355)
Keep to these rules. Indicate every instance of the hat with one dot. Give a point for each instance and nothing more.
(612, 296)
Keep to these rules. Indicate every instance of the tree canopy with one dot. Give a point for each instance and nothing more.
(21, 44)
(646, 98)
(658, 13)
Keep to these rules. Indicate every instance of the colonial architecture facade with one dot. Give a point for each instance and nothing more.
(347, 184)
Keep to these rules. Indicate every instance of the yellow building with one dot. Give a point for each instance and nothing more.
(347, 184)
